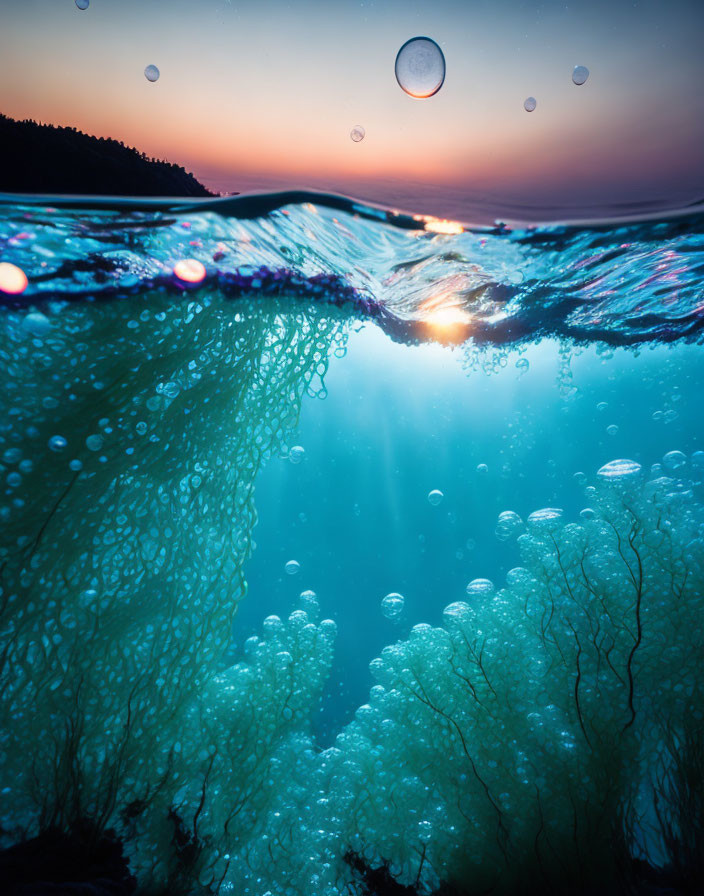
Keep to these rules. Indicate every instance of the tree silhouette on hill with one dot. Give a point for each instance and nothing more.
(41, 158)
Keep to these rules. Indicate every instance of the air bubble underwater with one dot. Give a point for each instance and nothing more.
(392, 605)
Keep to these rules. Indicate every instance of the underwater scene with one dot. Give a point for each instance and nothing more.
(349, 552)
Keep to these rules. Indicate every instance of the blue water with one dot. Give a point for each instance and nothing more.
(168, 447)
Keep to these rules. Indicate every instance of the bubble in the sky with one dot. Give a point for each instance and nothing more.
(420, 67)
(580, 75)
(392, 605)
(357, 134)
(435, 497)
(83, 4)
(292, 567)
(151, 73)
(530, 104)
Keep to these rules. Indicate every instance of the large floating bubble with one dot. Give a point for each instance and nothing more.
(530, 104)
(357, 134)
(392, 605)
(580, 75)
(292, 567)
(83, 4)
(480, 587)
(546, 518)
(509, 522)
(152, 73)
(435, 497)
(674, 460)
(420, 67)
(619, 470)
(456, 613)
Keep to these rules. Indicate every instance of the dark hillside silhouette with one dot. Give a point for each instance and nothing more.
(40, 158)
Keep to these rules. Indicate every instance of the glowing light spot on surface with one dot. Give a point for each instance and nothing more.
(190, 270)
(152, 73)
(83, 4)
(435, 497)
(392, 605)
(13, 280)
(357, 134)
(580, 75)
(438, 226)
(420, 67)
(292, 567)
(530, 104)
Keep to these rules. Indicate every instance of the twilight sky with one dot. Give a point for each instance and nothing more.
(262, 94)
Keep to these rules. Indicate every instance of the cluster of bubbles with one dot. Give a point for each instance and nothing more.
(579, 77)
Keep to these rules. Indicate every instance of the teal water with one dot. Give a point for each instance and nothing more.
(531, 720)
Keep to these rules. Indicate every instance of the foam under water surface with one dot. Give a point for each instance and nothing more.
(464, 653)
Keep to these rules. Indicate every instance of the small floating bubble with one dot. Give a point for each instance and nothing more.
(152, 73)
(530, 104)
(83, 4)
(190, 270)
(435, 497)
(612, 430)
(482, 469)
(674, 460)
(392, 605)
(522, 364)
(292, 567)
(94, 442)
(420, 67)
(12, 456)
(76, 465)
(57, 443)
(295, 455)
(619, 470)
(580, 75)
(357, 134)
(13, 280)
(602, 406)
(480, 587)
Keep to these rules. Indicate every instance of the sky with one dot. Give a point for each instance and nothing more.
(263, 94)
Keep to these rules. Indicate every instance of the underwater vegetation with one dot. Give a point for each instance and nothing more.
(547, 736)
